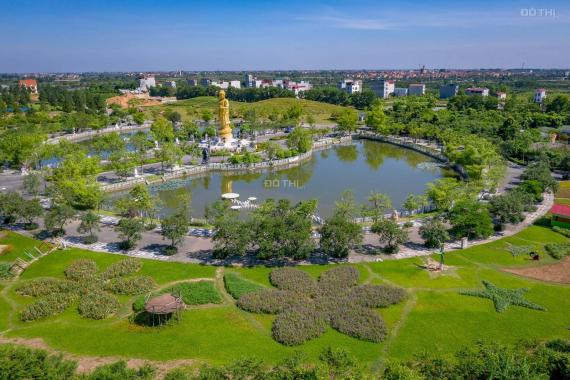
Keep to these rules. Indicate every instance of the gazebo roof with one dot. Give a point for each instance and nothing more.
(164, 304)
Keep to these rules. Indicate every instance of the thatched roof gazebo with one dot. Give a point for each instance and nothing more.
(162, 307)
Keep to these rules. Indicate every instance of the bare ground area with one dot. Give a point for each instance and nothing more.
(558, 272)
(86, 364)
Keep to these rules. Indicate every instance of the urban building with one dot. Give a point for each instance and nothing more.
(416, 89)
(383, 88)
(400, 91)
(192, 82)
(30, 84)
(477, 91)
(350, 86)
(501, 95)
(539, 95)
(448, 91)
(297, 87)
(146, 82)
(169, 83)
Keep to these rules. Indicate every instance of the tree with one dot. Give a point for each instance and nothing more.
(139, 203)
(130, 230)
(10, 206)
(32, 183)
(30, 210)
(508, 208)
(232, 235)
(347, 121)
(443, 192)
(89, 222)
(207, 115)
(281, 230)
(434, 233)
(390, 233)
(141, 145)
(338, 235)
(300, 140)
(378, 205)
(57, 217)
(346, 206)
(412, 203)
(377, 119)
(470, 219)
(170, 155)
(540, 171)
(174, 228)
(162, 130)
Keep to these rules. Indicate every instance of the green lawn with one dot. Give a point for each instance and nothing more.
(191, 109)
(435, 317)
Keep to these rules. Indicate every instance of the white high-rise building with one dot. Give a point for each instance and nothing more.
(350, 86)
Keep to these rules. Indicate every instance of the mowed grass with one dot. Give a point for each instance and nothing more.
(191, 109)
(236, 286)
(18, 245)
(435, 317)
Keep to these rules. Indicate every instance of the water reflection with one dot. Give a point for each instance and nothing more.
(363, 167)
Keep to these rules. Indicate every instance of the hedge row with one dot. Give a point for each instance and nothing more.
(237, 286)
(558, 250)
(131, 286)
(44, 286)
(5, 271)
(51, 304)
(98, 305)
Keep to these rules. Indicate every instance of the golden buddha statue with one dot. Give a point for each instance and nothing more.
(225, 130)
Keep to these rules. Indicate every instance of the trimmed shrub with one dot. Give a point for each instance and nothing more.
(304, 312)
(293, 280)
(376, 296)
(237, 286)
(562, 231)
(298, 325)
(558, 250)
(360, 323)
(138, 304)
(81, 270)
(44, 286)
(131, 286)
(48, 306)
(122, 268)
(98, 305)
(90, 239)
(120, 371)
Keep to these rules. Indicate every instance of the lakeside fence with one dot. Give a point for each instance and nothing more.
(89, 134)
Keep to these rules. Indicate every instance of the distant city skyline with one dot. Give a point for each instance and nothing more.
(170, 35)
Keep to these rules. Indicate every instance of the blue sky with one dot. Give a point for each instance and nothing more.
(146, 35)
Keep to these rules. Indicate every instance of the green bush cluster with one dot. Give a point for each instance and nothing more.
(98, 305)
(81, 270)
(19, 362)
(131, 286)
(122, 268)
(237, 286)
(562, 231)
(92, 288)
(44, 286)
(305, 307)
(48, 306)
(5, 271)
(558, 250)
(196, 293)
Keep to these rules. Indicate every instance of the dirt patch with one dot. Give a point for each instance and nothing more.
(4, 249)
(142, 100)
(558, 272)
(86, 364)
